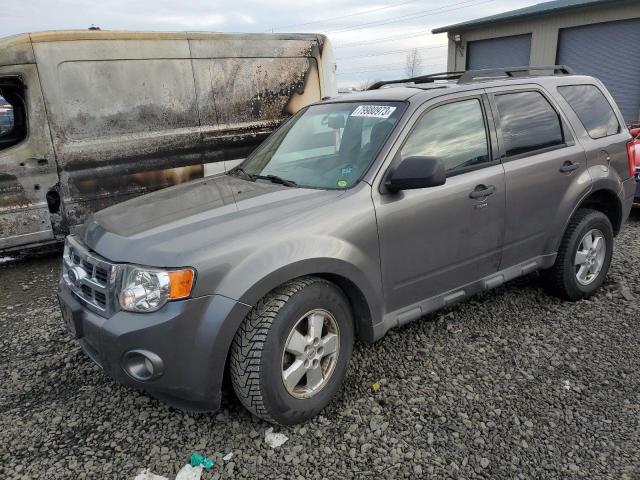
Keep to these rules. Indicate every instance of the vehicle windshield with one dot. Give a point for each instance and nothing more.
(325, 146)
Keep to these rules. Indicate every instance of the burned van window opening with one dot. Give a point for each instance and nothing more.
(13, 124)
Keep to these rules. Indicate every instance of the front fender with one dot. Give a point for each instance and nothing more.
(269, 267)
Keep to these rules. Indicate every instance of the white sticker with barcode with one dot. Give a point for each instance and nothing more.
(373, 111)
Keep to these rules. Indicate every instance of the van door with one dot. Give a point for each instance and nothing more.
(434, 241)
(27, 164)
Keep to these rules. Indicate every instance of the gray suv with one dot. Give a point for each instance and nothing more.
(358, 215)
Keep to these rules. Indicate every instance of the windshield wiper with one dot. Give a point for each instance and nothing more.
(253, 178)
(276, 179)
(240, 170)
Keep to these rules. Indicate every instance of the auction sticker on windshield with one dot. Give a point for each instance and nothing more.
(373, 111)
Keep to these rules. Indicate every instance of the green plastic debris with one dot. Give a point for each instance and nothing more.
(197, 459)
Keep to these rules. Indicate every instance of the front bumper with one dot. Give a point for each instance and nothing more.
(192, 338)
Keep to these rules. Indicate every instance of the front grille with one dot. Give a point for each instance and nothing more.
(90, 277)
(102, 275)
(101, 298)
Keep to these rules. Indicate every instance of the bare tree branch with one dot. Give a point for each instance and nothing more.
(414, 63)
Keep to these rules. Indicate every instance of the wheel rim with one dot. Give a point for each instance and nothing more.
(590, 257)
(310, 354)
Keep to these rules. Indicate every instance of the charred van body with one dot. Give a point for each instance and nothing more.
(93, 118)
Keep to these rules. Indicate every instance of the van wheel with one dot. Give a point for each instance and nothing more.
(584, 256)
(290, 355)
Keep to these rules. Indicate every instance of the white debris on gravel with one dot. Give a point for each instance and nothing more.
(189, 473)
(274, 440)
(147, 475)
(228, 457)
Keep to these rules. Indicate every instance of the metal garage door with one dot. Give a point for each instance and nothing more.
(607, 51)
(499, 52)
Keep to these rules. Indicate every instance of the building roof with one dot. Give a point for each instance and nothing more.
(544, 8)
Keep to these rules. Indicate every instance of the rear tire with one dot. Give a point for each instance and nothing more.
(290, 355)
(584, 256)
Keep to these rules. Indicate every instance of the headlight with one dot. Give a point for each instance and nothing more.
(148, 289)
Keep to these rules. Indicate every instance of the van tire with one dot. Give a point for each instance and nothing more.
(257, 359)
(561, 279)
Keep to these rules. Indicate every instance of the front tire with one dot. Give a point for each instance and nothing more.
(290, 355)
(584, 256)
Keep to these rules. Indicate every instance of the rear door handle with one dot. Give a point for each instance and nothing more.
(482, 191)
(569, 167)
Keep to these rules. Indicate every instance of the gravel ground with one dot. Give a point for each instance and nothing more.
(513, 383)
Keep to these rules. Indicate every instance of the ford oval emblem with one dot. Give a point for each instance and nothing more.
(75, 275)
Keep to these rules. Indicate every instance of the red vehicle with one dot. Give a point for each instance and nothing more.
(633, 150)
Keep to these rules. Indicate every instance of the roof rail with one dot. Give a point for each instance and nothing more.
(485, 74)
(510, 72)
(432, 77)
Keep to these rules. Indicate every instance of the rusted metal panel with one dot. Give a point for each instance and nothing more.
(132, 112)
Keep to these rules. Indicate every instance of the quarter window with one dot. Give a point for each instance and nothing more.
(528, 122)
(592, 108)
(454, 133)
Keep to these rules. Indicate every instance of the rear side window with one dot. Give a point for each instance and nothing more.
(528, 122)
(592, 108)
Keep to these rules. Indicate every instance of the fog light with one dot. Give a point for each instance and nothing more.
(142, 365)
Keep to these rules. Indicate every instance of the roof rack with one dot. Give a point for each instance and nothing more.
(432, 77)
(510, 72)
(479, 75)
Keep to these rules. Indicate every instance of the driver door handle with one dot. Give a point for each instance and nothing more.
(569, 167)
(482, 191)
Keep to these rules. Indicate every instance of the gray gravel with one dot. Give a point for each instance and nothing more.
(513, 383)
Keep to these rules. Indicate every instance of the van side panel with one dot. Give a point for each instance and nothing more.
(122, 118)
(242, 100)
(246, 88)
(132, 116)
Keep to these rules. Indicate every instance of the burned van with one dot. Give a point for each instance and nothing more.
(93, 118)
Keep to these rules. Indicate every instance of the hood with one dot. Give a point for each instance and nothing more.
(168, 227)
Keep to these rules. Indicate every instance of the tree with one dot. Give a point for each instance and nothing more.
(414, 63)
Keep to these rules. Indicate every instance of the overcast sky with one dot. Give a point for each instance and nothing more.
(371, 39)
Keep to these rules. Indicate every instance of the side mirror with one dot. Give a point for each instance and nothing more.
(416, 172)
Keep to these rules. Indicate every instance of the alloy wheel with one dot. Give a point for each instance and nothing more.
(310, 354)
(590, 256)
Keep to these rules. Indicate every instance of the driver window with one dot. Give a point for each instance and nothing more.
(454, 133)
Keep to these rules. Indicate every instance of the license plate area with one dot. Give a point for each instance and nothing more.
(72, 318)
